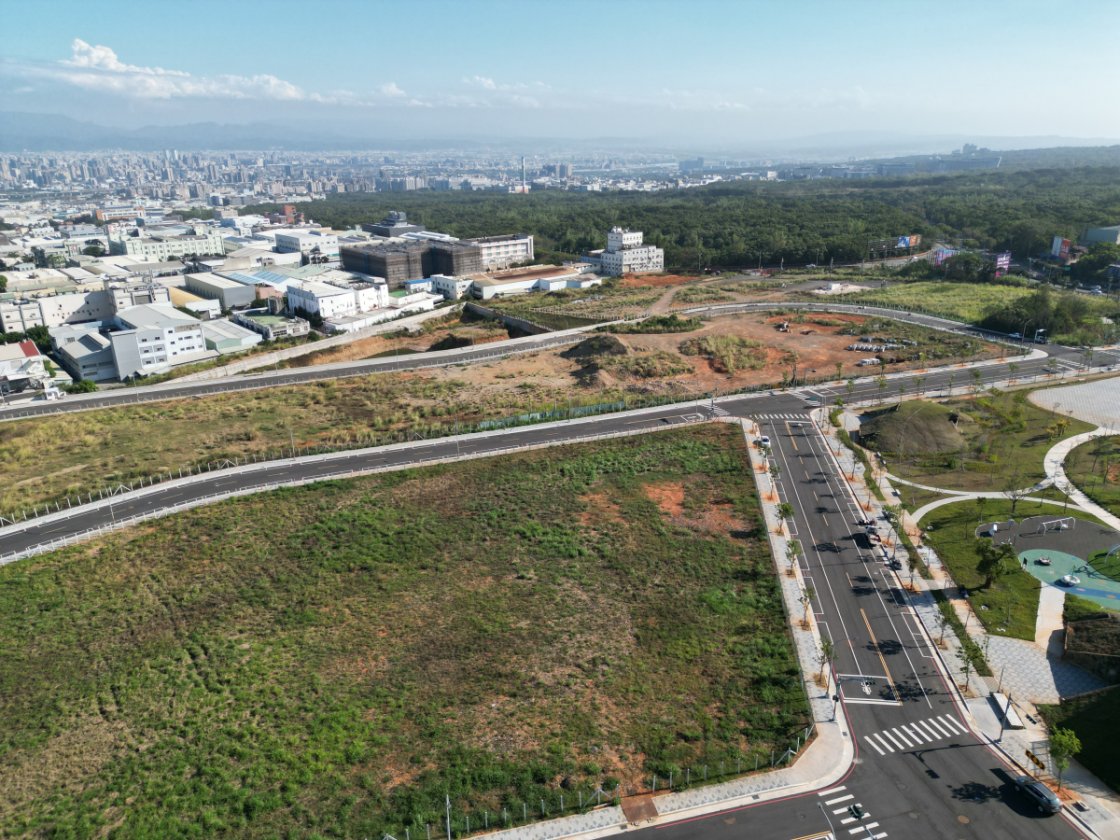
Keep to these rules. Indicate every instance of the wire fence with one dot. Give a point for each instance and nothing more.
(459, 817)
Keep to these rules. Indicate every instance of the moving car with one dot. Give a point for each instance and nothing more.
(1043, 561)
(1070, 580)
(1046, 800)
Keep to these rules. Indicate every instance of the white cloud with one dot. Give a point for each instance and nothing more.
(483, 82)
(391, 89)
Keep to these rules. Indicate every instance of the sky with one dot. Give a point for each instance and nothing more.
(715, 72)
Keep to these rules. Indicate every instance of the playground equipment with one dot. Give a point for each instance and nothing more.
(1065, 523)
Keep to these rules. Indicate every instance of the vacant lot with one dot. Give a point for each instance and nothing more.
(50, 457)
(334, 659)
(960, 301)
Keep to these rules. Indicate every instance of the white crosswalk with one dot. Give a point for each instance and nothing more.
(908, 736)
(791, 416)
(840, 803)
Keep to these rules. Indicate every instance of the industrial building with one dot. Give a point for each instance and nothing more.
(155, 338)
(312, 245)
(272, 326)
(401, 261)
(228, 292)
(503, 251)
(1111, 235)
(395, 224)
(627, 254)
(166, 247)
(225, 337)
(539, 278)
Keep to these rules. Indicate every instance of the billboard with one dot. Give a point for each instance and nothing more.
(1003, 262)
(1059, 248)
(942, 254)
(895, 243)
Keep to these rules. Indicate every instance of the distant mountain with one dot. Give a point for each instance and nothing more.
(20, 131)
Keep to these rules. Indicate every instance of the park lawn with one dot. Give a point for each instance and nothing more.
(1094, 720)
(1010, 606)
(1094, 467)
(331, 660)
(1005, 439)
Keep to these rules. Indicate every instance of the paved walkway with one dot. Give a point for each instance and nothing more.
(1055, 468)
(921, 512)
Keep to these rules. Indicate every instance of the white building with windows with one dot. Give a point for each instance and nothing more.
(504, 251)
(308, 243)
(159, 248)
(153, 338)
(626, 253)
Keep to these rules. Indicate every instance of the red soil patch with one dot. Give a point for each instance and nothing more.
(634, 281)
(1113, 476)
(669, 497)
(598, 508)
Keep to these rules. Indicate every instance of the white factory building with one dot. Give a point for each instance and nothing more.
(627, 254)
(504, 251)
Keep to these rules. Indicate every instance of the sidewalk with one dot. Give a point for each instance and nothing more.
(825, 761)
(1024, 667)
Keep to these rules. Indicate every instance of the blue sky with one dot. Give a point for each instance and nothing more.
(688, 71)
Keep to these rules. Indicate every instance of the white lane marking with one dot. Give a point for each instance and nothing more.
(915, 733)
(883, 741)
(839, 799)
(832, 790)
(951, 722)
(935, 725)
(902, 737)
(927, 728)
(874, 746)
(887, 734)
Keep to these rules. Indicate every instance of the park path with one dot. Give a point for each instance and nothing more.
(1055, 469)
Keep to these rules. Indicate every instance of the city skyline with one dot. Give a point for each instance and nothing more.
(709, 73)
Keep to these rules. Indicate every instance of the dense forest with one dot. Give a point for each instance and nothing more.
(742, 224)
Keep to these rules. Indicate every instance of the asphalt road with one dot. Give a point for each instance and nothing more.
(468, 355)
(919, 772)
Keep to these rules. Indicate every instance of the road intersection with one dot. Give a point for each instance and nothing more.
(919, 770)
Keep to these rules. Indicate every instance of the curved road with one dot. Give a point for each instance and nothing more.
(468, 355)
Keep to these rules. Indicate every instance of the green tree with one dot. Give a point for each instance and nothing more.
(824, 655)
(1064, 746)
(793, 551)
(3, 283)
(81, 386)
(785, 512)
(994, 560)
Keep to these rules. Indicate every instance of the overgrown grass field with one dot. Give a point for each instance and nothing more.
(968, 302)
(333, 660)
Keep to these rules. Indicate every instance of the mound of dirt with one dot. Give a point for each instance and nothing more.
(595, 347)
(916, 427)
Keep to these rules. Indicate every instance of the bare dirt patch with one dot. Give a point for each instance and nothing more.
(598, 509)
(668, 496)
(636, 281)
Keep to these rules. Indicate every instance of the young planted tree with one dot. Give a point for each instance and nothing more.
(824, 656)
(785, 513)
(1064, 746)
(942, 625)
(806, 599)
(969, 656)
(793, 551)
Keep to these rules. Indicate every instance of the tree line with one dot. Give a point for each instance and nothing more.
(744, 224)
